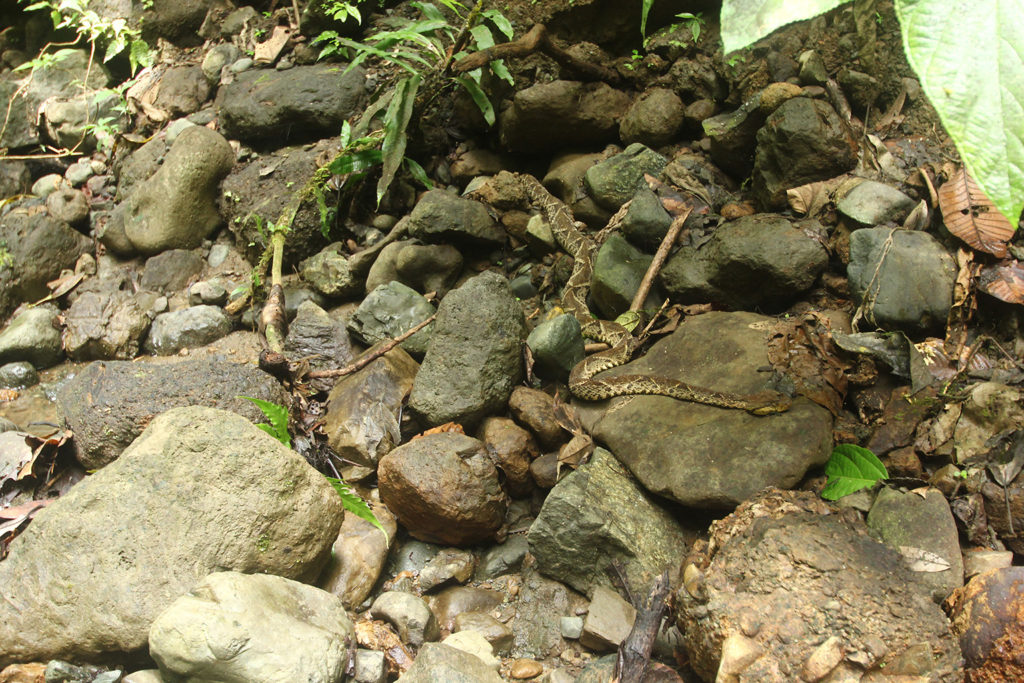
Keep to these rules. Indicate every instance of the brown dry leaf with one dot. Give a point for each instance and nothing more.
(814, 199)
(921, 560)
(964, 302)
(1004, 281)
(802, 349)
(376, 635)
(972, 217)
(16, 456)
(576, 452)
(268, 51)
(446, 427)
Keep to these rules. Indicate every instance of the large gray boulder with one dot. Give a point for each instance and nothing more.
(474, 359)
(704, 456)
(108, 404)
(269, 107)
(175, 208)
(291, 632)
(598, 515)
(200, 490)
(33, 336)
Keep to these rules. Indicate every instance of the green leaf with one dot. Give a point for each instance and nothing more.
(356, 161)
(501, 71)
(500, 22)
(645, 9)
(746, 21)
(479, 98)
(970, 60)
(483, 36)
(851, 468)
(396, 120)
(417, 172)
(278, 416)
(346, 133)
(356, 505)
(429, 11)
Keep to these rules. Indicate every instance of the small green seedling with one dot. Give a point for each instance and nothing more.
(850, 469)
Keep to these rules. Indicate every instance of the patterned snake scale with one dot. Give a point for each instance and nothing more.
(582, 382)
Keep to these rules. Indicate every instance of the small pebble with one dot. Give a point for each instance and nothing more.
(525, 668)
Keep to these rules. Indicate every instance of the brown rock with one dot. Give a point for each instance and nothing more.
(988, 617)
(451, 602)
(512, 449)
(522, 669)
(444, 489)
(357, 557)
(535, 410)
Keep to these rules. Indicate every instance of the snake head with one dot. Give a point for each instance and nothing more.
(769, 403)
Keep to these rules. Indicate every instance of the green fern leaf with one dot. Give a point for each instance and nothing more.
(278, 416)
(356, 505)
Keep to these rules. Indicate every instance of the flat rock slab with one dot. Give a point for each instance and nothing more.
(201, 490)
(109, 403)
(700, 455)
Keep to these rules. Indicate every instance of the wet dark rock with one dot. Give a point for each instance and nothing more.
(704, 456)
(440, 216)
(906, 276)
(789, 584)
(263, 187)
(68, 205)
(107, 404)
(439, 662)
(646, 222)
(802, 141)
(187, 328)
(363, 408)
(292, 631)
(252, 506)
(733, 135)
(535, 410)
(33, 336)
(443, 488)
(986, 618)
(872, 203)
(409, 614)
(177, 21)
(265, 105)
(330, 273)
(172, 270)
(315, 336)
(389, 311)
(474, 358)
(104, 326)
(422, 267)
(562, 114)
(557, 346)
(614, 181)
(812, 68)
(758, 260)
(653, 119)
(505, 558)
(40, 248)
(619, 267)
(14, 178)
(598, 515)
(181, 90)
(174, 208)
(357, 557)
(18, 375)
(862, 89)
(451, 565)
(911, 523)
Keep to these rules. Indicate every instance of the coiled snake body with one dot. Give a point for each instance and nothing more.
(582, 382)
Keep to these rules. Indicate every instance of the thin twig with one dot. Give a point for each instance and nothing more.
(659, 259)
(371, 356)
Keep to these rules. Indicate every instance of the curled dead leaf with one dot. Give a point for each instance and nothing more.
(1004, 281)
(971, 216)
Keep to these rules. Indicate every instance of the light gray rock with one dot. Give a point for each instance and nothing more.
(557, 346)
(254, 628)
(33, 336)
(317, 337)
(330, 273)
(181, 90)
(754, 261)
(68, 117)
(703, 456)
(598, 515)
(207, 292)
(493, 631)
(906, 277)
(451, 564)
(187, 328)
(475, 644)
(358, 556)
(18, 375)
(909, 523)
(200, 490)
(609, 620)
(802, 141)
(474, 359)
(437, 662)
(440, 216)
(614, 181)
(104, 326)
(175, 208)
(108, 404)
(873, 203)
(371, 666)
(504, 558)
(216, 59)
(68, 205)
(265, 105)
(409, 614)
(169, 271)
(422, 267)
(539, 610)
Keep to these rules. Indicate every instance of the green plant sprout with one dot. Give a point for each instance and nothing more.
(850, 469)
(278, 428)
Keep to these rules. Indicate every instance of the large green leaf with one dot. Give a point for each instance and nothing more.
(851, 468)
(356, 505)
(970, 59)
(396, 120)
(746, 21)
